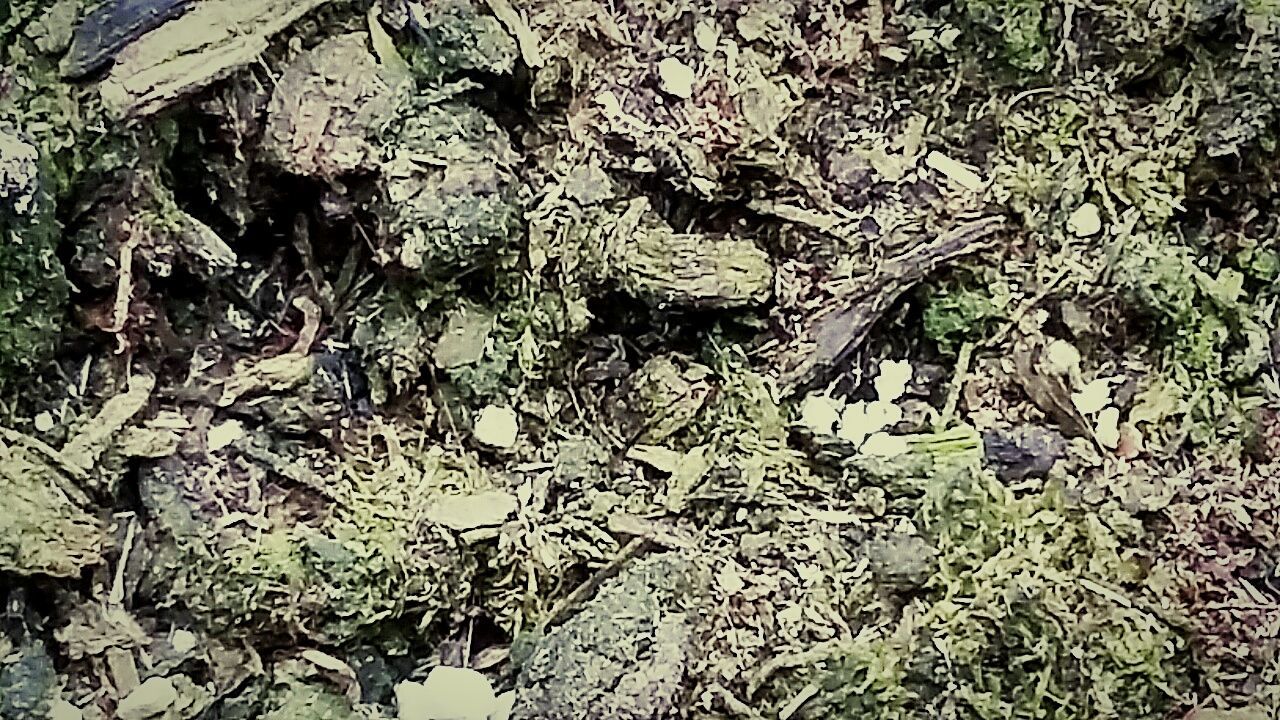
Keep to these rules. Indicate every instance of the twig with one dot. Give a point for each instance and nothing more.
(588, 588)
(957, 384)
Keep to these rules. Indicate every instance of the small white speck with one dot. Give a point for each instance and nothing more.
(891, 383)
(1086, 221)
(224, 434)
(820, 414)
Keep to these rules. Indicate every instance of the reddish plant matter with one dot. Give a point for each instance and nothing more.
(1223, 543)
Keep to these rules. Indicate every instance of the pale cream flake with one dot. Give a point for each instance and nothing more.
(676, 78)
(497, 427)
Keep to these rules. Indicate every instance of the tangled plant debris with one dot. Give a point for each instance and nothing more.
(559, 359)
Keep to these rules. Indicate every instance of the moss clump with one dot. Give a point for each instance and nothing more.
(1036, 611)
(1019, 26)
(371, 557)
(34, 289)
(454, 37)
(295, 700)
(963, 311)
(449, 201)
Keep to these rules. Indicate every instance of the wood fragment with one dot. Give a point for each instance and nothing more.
(526, 38)
(831, 336)
(111, 26)
(208, 43)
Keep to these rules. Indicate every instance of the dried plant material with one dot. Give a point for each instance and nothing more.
(448, 196)
(528, 41)
(622, 655)
(96, 629)
(86, 448)
(680, 269)
(464, 338)
(660, 399)
(1047, 381)
(269, 375)
(641, 360)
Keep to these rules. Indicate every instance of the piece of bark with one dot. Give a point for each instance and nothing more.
(325, 107)
(648, 260)
(1048, 389)
(1022, 452)
(832, 335)
(208, 43)
(111, 26)
(46, 527)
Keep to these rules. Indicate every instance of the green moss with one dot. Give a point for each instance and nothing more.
(33, 294)
(456, 38)
(1019, 25)
(459, 210)
(1036, 611)
(307, 701)
(374, 559)
(958, 312)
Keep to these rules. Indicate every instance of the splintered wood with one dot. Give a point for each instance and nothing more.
(210, 42)
(833, 334)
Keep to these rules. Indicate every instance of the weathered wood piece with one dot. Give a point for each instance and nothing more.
(832, 335)
(111, 26)
(208, 43)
